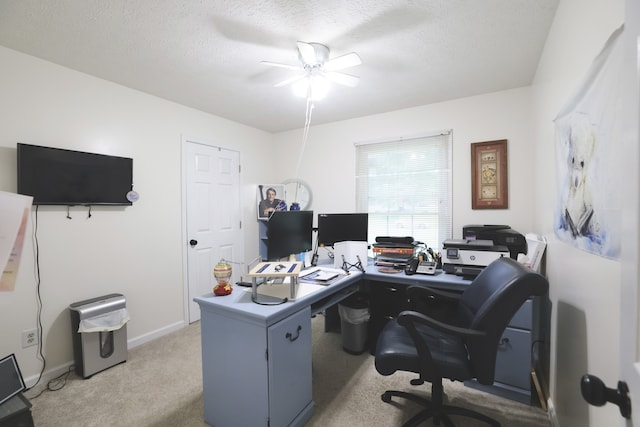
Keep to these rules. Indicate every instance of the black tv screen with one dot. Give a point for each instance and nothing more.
(342, 227)
(54, 176)
(289, 233)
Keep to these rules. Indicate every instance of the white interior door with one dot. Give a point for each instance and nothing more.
(213, 224)
(630, 323)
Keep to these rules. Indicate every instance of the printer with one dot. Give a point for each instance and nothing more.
(481, 245)
(500, 235)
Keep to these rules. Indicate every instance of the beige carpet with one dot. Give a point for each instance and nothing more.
(161, 385)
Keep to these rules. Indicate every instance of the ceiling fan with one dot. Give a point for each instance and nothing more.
(316, 70)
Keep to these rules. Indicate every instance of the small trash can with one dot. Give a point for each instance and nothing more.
(354, 319)
(99, 332)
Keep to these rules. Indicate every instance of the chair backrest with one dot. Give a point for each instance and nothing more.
(488, 305)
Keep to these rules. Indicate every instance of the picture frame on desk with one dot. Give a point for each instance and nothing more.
(489, 175)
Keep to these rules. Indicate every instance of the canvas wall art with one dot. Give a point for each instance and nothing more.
(588, 153)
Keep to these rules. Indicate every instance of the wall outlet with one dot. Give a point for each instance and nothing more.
(29, 338)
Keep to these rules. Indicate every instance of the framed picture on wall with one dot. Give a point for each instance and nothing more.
(270, 197)
(489, 177)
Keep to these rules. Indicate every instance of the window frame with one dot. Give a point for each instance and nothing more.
(418, 210)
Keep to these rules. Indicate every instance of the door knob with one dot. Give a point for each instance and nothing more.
(193, 242)
(596, 393)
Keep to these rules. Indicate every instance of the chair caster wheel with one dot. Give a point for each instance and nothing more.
(386, 397)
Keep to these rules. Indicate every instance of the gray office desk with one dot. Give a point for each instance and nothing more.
(438, 280)
(256, 359)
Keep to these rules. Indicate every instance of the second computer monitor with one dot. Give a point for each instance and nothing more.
(289, 233)
(334, 228)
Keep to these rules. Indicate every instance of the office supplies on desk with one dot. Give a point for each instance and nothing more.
(416, 266)
(351, 252)
(323, 276)
(389, 270)
(391, 251)
(287, 271)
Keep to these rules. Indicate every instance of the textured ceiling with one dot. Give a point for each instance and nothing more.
(206, 54)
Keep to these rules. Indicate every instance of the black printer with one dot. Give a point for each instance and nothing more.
(501, 235)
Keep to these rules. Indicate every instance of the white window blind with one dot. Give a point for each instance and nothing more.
(406, 188)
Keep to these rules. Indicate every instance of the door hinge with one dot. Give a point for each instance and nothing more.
(239, 168)
(266, 354)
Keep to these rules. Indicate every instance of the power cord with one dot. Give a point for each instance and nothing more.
(55, 384)
(38, 297)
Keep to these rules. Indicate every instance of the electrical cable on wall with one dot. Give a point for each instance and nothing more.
(38, 296)
(305, 133)
(60, 381)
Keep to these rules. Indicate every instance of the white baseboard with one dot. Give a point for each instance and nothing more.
(48, 375)
(135, 342)
(551, 411)
(57, 371)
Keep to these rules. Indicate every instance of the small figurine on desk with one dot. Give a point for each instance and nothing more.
(222, 273)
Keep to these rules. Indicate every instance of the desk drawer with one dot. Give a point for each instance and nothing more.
(513, 361)
(388, 300)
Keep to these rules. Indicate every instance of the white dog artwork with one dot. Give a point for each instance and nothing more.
(578, 216)
(589, 150)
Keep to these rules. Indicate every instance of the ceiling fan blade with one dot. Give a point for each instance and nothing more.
(343, 79)
(307, 53)
(344, 61)
(277, 64)
(290, 80)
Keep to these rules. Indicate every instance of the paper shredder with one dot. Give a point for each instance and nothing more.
(96, 351)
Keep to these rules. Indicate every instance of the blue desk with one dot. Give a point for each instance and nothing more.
(439, 280)
(256, 359)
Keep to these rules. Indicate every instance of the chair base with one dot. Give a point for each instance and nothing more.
(439, 412)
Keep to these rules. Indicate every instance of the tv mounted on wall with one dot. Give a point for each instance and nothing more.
(55, 176)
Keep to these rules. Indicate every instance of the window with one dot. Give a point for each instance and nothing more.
(405, 186)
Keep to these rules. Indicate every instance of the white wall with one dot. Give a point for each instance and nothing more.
(137, 250)
(585, 290)
(328, 162)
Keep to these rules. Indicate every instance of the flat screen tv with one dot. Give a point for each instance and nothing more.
(289, 233)
(341, 227)
(55, 176)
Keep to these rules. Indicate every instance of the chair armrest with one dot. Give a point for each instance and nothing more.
(408, 318)
(437, 304)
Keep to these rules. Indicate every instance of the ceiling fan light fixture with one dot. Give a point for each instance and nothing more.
(317, 71)
(314, 87)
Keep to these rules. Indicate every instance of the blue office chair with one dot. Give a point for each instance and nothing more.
(461, 348)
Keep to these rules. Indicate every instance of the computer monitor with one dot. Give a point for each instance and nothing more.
(289, 233)
(11, 382)
(342, 227)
